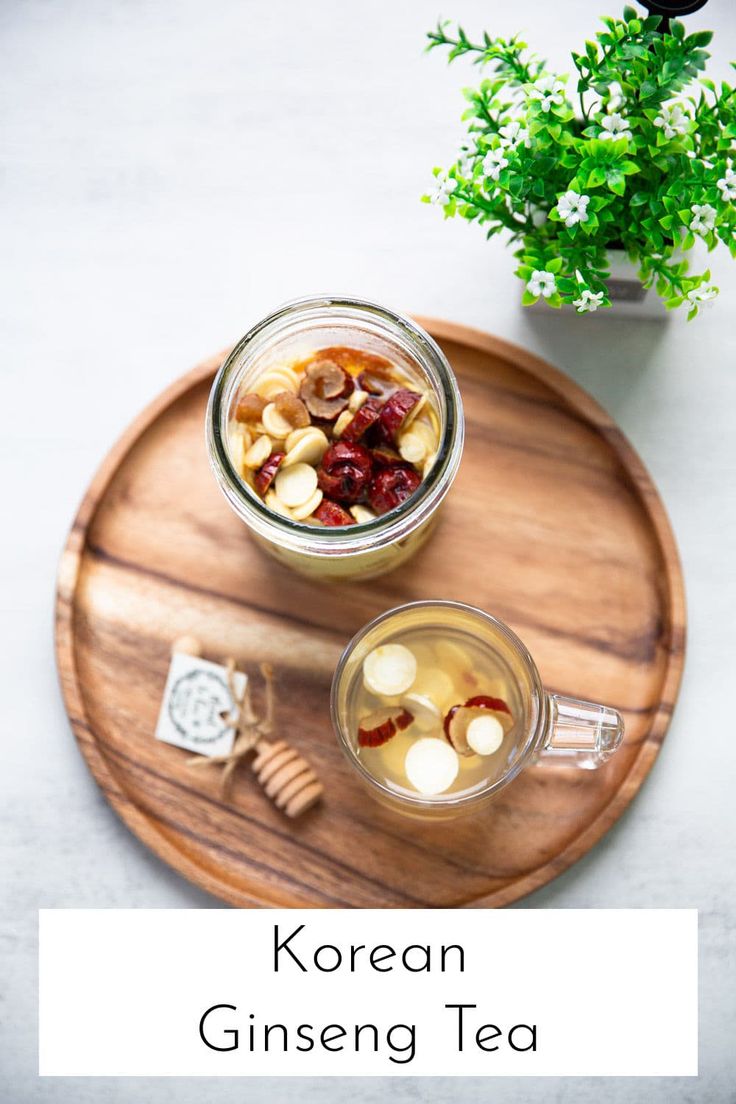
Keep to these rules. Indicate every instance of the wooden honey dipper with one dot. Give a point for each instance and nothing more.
(284, 774)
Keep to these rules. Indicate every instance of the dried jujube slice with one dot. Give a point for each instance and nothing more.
(345, 471)
(249, 407)
(396, 410)
(392, 486)
(362, 420)
(385, 457)
(326, 389)
(483, 701)
(378, 727)
(264, 477)
(332, 513)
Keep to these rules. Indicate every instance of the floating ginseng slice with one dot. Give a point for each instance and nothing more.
(389, 669)
(431, 765)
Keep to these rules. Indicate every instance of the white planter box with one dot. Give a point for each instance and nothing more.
(628, 297)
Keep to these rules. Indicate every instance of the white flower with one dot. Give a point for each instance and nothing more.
(727, 184)
(614, 126)
(465, 161)
(513, 135)
(548, 90)
(615, 96)
(537, 214)
(703, 295)
(573, 208)
(588, 301)
(704, 218)
(673, 120)
(444, 186)
(542, 283)
(493, 162)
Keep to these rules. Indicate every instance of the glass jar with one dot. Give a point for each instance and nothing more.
(291, 334)
(548, 728)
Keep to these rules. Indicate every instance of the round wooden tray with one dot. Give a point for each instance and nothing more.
(553, 525)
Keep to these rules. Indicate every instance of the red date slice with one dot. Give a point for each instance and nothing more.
(482, 701)
(392, 486)
(395, 411)
(265, 475)
(332, 513)
(377, 728)
(345, 471)
(385, 457)
(366, 417)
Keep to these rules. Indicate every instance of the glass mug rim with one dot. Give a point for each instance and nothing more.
(364, 536)
(531, 738)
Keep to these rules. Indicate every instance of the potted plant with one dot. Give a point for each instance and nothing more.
(631, 161)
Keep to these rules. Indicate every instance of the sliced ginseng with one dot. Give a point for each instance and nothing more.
(305, 446)
(274, 503)
(276, 423)
(390, 669)
(411, 447)
(301, 513)
(258, 453)
(296, 485)
(431, 765)
(362, 514)
(275, 381)
(378, 727)
(484, 733)
(426, 714)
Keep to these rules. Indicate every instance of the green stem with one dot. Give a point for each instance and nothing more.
(493, 52)
(499, 214)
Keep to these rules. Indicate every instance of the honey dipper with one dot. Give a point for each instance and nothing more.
(283, 773)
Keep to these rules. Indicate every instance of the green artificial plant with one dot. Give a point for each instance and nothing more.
(636, 153)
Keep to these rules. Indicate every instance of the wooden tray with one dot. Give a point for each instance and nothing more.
(553, 525)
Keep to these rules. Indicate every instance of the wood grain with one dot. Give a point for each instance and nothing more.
(553, 525)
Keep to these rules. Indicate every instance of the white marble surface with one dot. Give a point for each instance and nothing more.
(171, 170)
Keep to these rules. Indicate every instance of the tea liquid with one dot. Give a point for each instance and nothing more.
(452, 666)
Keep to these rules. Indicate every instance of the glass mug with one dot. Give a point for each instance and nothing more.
(292, 333)
(463, 656)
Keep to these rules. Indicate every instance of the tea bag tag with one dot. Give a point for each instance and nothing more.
(197, 705)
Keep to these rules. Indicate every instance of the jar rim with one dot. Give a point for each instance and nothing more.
(409, 515)
(450, 801)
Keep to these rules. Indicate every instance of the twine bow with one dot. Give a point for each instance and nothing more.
(249, 728)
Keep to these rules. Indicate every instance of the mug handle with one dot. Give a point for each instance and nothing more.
(580, 733)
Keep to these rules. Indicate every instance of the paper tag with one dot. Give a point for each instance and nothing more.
(196, 700)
